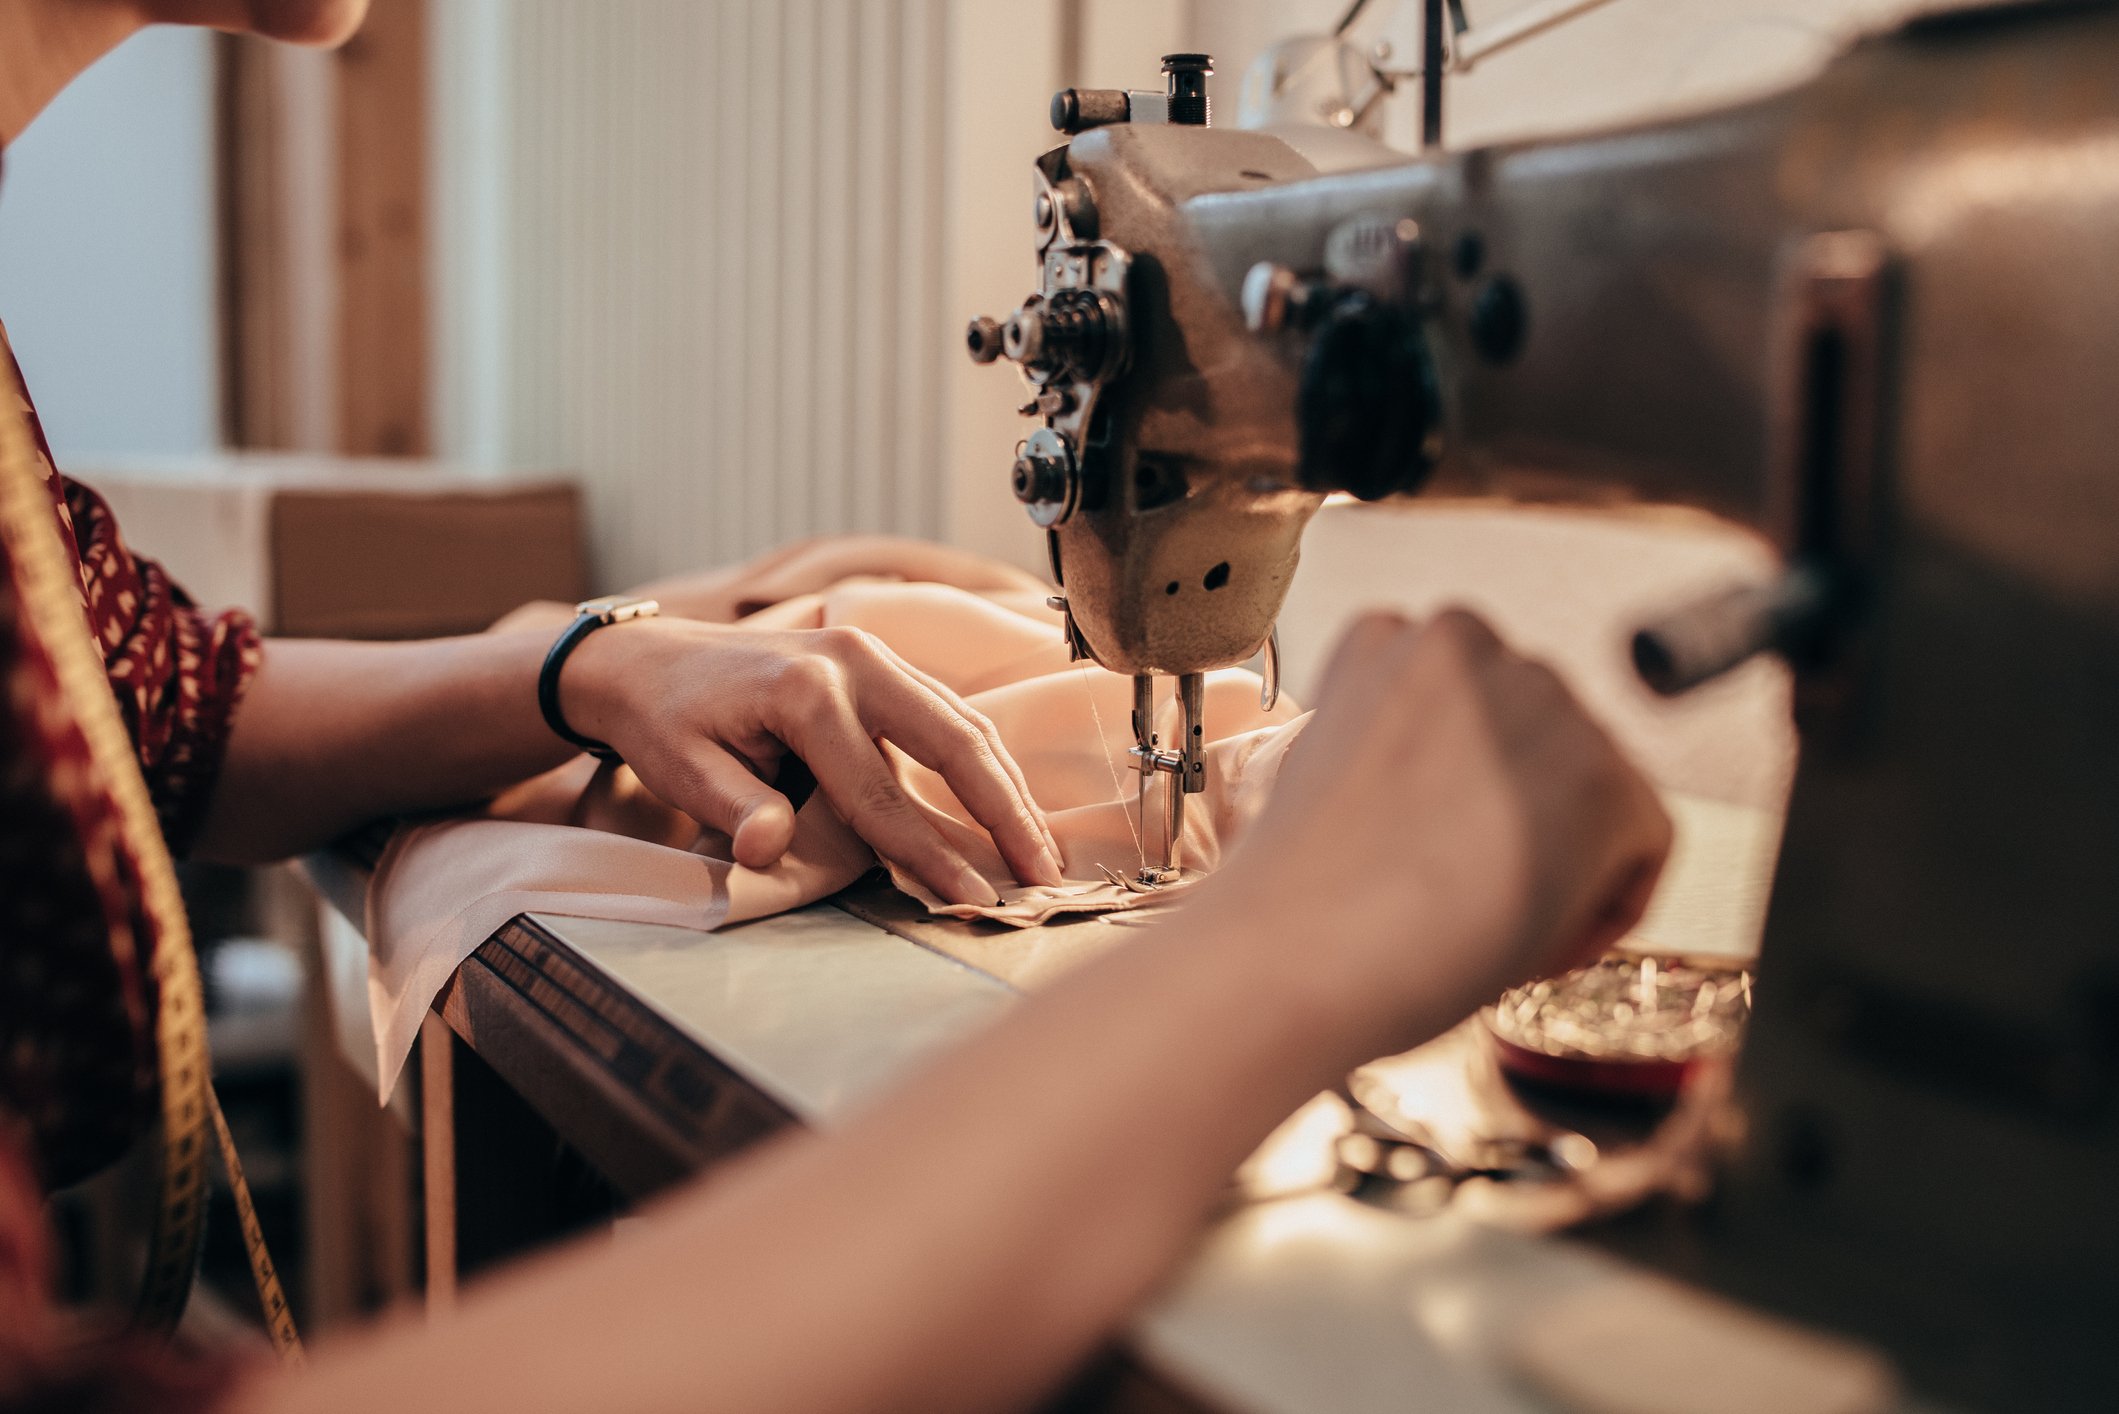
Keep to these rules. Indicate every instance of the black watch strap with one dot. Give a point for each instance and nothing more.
(588, 617)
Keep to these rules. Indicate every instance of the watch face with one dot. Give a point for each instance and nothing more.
(618, 608)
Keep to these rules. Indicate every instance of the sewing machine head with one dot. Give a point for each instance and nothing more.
(1166, 466)
(1876, 319)
(1167, 470)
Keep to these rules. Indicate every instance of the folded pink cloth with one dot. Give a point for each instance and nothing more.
(584, 841)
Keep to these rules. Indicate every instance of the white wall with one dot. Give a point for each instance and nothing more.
(107, 269)
(1627, 60)
(1005, 65)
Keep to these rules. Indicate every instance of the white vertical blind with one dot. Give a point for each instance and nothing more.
(693, 253)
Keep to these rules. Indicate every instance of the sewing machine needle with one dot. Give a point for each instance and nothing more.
(1144, 738)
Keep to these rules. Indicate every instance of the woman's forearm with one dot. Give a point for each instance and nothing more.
(957, 1246)
(332, 735)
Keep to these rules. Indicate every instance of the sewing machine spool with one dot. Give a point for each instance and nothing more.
(1628, 1026)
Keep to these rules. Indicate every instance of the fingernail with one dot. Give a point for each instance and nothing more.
(972, 888)
(1050, 871)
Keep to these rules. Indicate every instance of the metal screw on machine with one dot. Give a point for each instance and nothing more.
(984, 338)
(1039, 478)
(1187, 75)
(1045, 477)
(1069, 198)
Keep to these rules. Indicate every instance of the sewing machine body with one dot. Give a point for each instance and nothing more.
(1875, 318)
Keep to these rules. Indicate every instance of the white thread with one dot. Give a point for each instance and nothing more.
(1118, 787)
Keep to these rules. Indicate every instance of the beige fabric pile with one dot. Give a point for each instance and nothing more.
(589, 841)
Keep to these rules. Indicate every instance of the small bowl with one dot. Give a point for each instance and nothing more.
(1630, 1026)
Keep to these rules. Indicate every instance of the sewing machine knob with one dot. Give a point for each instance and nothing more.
(1266, 288)
(1076, 334)
(1275, 297)
(984, 339)
(1367, 408)
(1045, 478)
(1076, 110)
(1039, 478)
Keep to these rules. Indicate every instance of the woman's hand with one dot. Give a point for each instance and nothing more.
(704, 713)
(1449, 823)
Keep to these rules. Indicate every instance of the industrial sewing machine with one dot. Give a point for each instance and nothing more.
(1876, 318)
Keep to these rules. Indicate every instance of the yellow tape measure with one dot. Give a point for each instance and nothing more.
(51, 603)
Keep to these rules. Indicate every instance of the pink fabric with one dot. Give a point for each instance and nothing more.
(584, 841)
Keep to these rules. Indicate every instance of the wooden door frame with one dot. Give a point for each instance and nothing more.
(322, 174)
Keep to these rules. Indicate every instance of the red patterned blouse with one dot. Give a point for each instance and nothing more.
(77, 1073)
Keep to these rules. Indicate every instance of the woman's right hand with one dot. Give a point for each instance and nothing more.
(1450, 823)
(704, 713)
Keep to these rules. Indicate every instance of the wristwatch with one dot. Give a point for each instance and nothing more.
(589, 615)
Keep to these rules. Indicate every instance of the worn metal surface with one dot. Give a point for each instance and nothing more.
(1188, 524)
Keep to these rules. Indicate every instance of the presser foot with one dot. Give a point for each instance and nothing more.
(1146, 881)
(1184, 772)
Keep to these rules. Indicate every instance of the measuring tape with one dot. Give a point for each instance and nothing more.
(50, 585)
